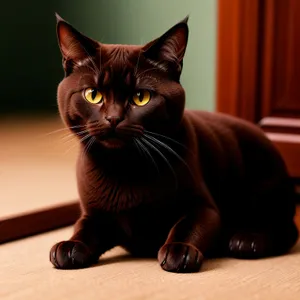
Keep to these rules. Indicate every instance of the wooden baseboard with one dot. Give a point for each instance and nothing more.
(17, 227)
(20, 226)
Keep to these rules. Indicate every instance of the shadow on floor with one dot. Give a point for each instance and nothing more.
(208, 265)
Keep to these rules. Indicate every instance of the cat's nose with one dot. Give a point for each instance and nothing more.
(114, 120)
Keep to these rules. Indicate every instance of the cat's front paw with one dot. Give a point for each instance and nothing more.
(70, 255)
(249, 245)
(180, 258)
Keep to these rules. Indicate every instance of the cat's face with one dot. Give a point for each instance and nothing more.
(114, 93)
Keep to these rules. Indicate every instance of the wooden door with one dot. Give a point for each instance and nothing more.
(258, 69)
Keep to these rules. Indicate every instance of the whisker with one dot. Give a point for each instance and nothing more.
(62, 129)
(130, 131)
(137, 145)
(71, 138)
(70, 148)
(74, 134)
(82, 154)
(88, 145)
(81, 140)
(93, 139)
(167, 138)
(162, 156)
(84, 138)
(158, 142)
(146, 152)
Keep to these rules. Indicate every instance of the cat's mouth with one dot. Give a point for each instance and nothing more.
(112, 140)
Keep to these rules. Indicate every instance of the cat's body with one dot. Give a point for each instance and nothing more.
(159, 179)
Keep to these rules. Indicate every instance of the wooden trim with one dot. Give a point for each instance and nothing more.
(283, 122)
(292, 139)
(237, 57)
(280, 125)
(288, 146)
(20, 226)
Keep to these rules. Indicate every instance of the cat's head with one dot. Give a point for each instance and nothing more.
(115, 93)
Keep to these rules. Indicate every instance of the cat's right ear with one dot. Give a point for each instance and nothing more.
(74, 46)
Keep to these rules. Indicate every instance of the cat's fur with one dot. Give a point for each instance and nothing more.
(160, 180)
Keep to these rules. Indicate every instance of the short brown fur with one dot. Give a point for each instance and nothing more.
(160, 180)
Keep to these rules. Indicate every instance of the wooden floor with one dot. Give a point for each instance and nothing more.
(37, 150)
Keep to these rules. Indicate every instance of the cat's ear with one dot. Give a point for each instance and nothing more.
(74, 46)
(171, 46)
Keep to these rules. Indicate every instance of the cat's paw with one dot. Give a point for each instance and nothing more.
(180, 258)
(70, 255)
(249, 245)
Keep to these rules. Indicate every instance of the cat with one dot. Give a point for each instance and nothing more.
(156, 178)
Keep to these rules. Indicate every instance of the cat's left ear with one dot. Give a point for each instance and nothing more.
(74, 46)
(171, 46)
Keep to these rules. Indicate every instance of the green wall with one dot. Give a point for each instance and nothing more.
(31, 61)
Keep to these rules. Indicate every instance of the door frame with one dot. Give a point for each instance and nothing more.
(245, 53)
(237, 57)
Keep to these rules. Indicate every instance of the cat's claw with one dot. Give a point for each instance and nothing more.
(180, 258)
(249, 245)
(70, 255)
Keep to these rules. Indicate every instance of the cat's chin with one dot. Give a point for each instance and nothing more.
(112, 143)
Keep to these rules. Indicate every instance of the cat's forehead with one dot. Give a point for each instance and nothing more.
(119, 55)
(118, 63)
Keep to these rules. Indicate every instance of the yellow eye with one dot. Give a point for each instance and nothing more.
(93, 96)
(141, 98)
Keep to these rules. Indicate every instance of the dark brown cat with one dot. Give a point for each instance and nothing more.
(155, 178)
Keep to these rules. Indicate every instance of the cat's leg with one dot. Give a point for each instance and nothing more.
(92, 237)
(191, 236)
